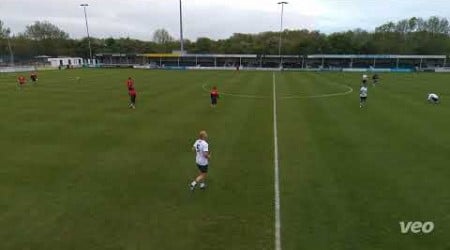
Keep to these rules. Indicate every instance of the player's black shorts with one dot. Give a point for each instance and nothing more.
(203, 169)
(213, 100)
(363, 99)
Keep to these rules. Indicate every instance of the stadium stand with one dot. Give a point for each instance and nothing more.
(321, 62)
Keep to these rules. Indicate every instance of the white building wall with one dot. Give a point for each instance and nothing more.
(64, 61)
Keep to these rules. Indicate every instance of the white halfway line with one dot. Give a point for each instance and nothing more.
(276, 170)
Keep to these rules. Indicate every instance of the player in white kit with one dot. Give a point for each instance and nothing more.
(201, 159)
(363, 91)
(365, 78)
(433, 98)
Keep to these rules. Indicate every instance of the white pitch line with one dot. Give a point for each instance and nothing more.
(237, 95)
(349, 91)
(276, 170)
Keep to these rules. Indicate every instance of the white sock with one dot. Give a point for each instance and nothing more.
(194, 183)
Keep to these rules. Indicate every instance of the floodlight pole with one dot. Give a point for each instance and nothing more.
(11, 54)
(181, 29)
(84, 5)
(281, 32)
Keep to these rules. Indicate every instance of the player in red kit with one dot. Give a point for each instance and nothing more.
(21, 80)
(214, 96)
(131, 93)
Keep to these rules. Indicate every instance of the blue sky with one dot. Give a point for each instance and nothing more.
(212, 18)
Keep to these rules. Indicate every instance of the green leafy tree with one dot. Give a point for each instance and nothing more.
(162, 36)
(43, 31)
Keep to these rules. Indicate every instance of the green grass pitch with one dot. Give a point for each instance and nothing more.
(79, 170)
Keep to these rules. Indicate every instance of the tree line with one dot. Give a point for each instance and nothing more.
(408, 36)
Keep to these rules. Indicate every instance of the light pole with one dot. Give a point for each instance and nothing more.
(84, 5)
(281, 32)
(11, 54)
(181, 29)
